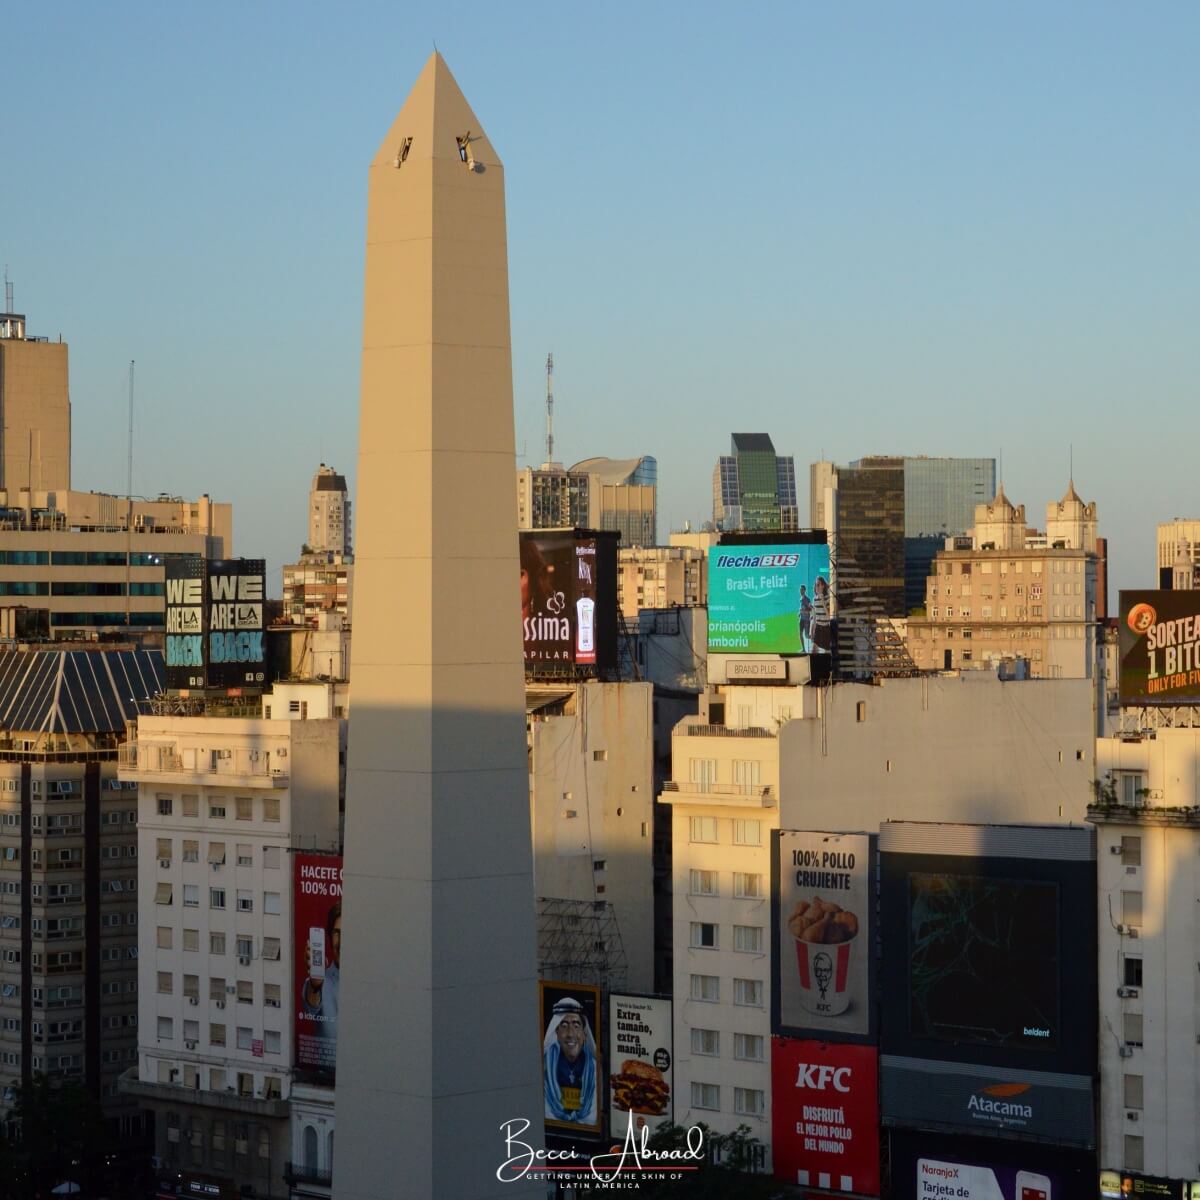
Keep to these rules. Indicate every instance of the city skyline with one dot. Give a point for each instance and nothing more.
(969, 241)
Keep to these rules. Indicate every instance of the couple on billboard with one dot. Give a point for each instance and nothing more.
(814, 618)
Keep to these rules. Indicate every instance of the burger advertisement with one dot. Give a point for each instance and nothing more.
(1160, 647)
(640, 1054)
(821, 923)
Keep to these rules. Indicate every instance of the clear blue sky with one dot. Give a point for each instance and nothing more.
(936, 228)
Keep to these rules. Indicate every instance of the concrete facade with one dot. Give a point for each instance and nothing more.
(1148, 843)
(35, 410)
(329, 527)
(222, 802)
(438, 879)
(660, 577)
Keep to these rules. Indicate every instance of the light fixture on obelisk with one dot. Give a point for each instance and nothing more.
(438, 1012)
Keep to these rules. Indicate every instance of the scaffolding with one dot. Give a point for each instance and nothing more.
(579, 941)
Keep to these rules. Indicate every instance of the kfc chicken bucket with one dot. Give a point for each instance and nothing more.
(825, 939)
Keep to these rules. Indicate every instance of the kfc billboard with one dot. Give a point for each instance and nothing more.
(317, 914)
(825, 1115)
(568, 601)
(822, 974)
(640, 1041)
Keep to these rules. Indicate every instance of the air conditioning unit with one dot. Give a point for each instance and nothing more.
(193, 999)
(190, 1045)
(1126, 1051)
(220, 1003)
(1132, 931)
(1114, 849)
(230, 989)
(165, 863)
(1131, 1114)
(244, 959)
(1127, 993)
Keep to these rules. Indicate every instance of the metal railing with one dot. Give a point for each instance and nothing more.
(294, 1172)
(718, 789)
(728, 731)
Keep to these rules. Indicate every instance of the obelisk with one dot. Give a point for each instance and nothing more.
(437, 1022)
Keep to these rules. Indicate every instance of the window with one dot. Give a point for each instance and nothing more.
(245, 946)
(216, 852)
(704, 935)
(163, 894)
(245, 991)
(747, 833)
(706, 1095)
(1134, 1150)
(272, 997)
(216, 897)
(271, 1041)
(216, 943)
(164, 849)
(191, 895)
(270, 808)
(245, 856)
(704, 829)
(271, 903)
(1131, 851)
(191, 986)
(244, 810)
(1133, 1091)
(1133, 1029)
(191, 939)
(216, 811)
(166, 983)
(245, 1038)
(1131, 908)
(704, 883)
(1132, 785)
(245, 900)
(703, 771)
(748, 939)
(749, 1102)
(1133, 972)
(748, 992)
(706, 1042)
(748, 1046)
(706, 988)
(216, 988)
(748, 887)
(164, 806)
(191, 851)
(191, 805)
(271, 858)
(191, 1031)
(270, 949)
(166, 1028)
(166, 937)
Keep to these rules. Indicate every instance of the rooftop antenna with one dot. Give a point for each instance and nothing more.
(549, 409)
(8, 291)
(129, 504)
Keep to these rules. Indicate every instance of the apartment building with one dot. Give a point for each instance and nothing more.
(1003, 599)
(224, 802)
(660, 577)
(93, 563)
(69, 872)
(319, 584)
(619, 494)
(1147, 819)
(329, 528)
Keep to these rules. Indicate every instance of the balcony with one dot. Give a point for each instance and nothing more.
(294, 1173)
(729, 795)
(750, 731)
(159, 762)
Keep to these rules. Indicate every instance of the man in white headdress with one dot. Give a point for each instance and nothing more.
(569, 1062)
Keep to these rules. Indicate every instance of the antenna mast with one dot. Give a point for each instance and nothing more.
(8, 291)
(129, 505)
(549, 409)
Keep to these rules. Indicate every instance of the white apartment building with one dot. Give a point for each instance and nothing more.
(222, 803)
(846, 758)
(329, 527)
(1148, 844)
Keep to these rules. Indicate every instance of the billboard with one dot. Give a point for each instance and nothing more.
(983, 963)
(769, 599)
(1127, 1185)
(572, 1066)
(823, 900)
(1160, 647)
(640, 1055)
(215, 622)
(317, 959)
(568, 601)
(975, 1181)
(825, 1115)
